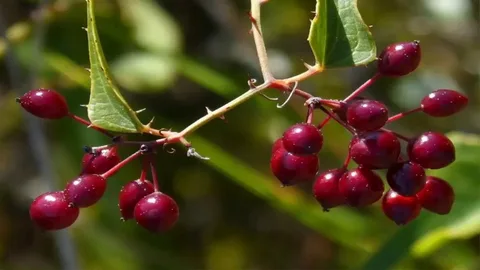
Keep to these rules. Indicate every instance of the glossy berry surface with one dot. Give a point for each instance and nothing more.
(44, 103)
(399, 59)
(291, 169)
(431, 150)
(277, 145)
(303, 139)
(326, 191)
(406, 178)
(437, 196)
(400, 209)
(367, 115)
(375, 150)
(130, 194)
(443, 102)
(361, 187)
(51, 211)
(341, 112)
(101, 162)
(156, 212)
(85, 190)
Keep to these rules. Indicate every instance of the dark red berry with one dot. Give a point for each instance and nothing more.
(130, 194)
(303, 139)
(277, 145)
(325, 189)
(443, 102)
(44, 103)
(406, 178)
(101, 162)
(431, 150)
(399, 59)
(85, 190)
(399, 208)
(437, 196)
(367, 115)
(51, 211)
(291, 169)
(341, 112)
(375, 150)
(361, 187)
(156, 212)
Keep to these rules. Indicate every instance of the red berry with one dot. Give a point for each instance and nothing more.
(341, 112)
(367, 115)
(131, 194)
(277, 145)
(303, 139)
(437, 196)
(406, 178)
(399, 59)
(44, 103)
(375, 150)
(325, 189)
(100, 163)
(291, 169)
(361, 187)
(85, 190)
(156, 212)
(400, 209)
(51, 211)
(431, 150)
(443, 102)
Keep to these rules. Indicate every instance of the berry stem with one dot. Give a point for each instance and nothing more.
(347, 127)
(89, 125)
(121, 164)
(311, 70)
(347, 161)
(363, 87)
(324, 122)
(403, 114)
(154, 176)
(145, 164)
(311, 110)
(400, 136)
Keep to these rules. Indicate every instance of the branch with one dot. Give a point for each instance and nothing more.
(259, 42)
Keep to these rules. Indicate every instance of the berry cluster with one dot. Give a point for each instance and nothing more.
(372, 147)
(139, 199)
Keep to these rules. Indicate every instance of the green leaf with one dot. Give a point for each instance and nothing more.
(107, 107)
(432, 231)
(339, 37)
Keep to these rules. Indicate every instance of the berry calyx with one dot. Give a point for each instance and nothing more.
(44, 103)
(85, 190)
(399, 59)
(325, 189)
(291, 169)
(51, 211)
(367, 115)
(101, 162)
(437, 196)
(406, 178)
(400, 209)
(156, 212)
(361, 187)
(375, 150)
(443, 102)
(303, 139)
(431, 150)
(130, 194)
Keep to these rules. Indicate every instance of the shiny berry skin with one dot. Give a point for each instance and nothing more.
(85, 190)
(431, 150)
(361, 187)
(291, 169)
(51, 211)
(367, 115)
(303, 139)
(437, 196)
(277, 145)
(130, 194)
(400, 209)
(341, 112)
(399, 59)
(443, 102)
(101, 162)
(156, 212)
(375, 150)
(406, 178)
(44, 103)
(325, 189)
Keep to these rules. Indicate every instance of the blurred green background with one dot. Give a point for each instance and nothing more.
(176, 57)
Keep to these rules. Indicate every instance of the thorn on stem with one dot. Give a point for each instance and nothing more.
(192, 153)
(141, 110)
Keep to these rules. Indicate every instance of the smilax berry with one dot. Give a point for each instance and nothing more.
(437, 196)
(400, 209)
(51, 211)
(406, 178)
(399, 59)
(375, 150)
(85, 190)
(131, 194)
(156, 212)
(367, 115)
(361, 187)
(291, 169)
(443, 102)
(431, 150)
(325, 189)
(303, 139)
(44, 103)
(100, 162)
